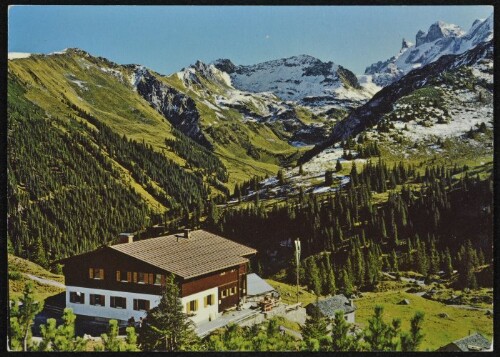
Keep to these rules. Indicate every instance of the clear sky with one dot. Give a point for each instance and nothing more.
(168, 38)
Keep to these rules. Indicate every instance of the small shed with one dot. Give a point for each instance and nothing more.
(475, 342)
(327, 307)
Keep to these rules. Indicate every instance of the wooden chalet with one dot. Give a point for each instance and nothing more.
(125, 280)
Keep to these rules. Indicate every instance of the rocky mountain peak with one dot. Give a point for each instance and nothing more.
(438, 30)
(440, 39)
(225, 65)
(406, 44)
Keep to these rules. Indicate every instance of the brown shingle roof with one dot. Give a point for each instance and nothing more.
(201, 253)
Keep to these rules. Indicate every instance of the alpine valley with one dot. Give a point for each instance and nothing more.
(379, 173)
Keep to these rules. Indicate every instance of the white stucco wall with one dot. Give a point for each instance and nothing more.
(107, 311)
(350, 317)
(203, 314)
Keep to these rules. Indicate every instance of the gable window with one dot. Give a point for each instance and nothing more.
(192, 306)
(97, 300)
(141, 305)
(77, 297)
(123, 276)
(96, 273)
(118, 302)
(209, 300)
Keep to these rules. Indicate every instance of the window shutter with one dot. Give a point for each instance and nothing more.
(83, 298)
(92, 299)
(147, 305)
(101, 273)
(135, 305)
(205, 300)
(117, 275)
(151, 278)
(91, 273)
(135, 277)
(163, 280)
(129, 276)
(145, 278)
(188, 310)
(196, 305)
(112, 302)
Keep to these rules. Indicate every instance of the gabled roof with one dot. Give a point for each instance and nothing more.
(201, 253)
(328, 306)
(475, 342)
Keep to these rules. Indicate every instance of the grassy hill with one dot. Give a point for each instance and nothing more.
(438, 331)
(18, 267)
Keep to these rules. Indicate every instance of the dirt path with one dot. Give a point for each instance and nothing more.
(46, 281)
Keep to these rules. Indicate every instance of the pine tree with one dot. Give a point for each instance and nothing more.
(412, 340)
(328, 178)
(346, 283)
(166, 326)
(111, 342)
(338, 166)
(61, 338)
(315, 334)
(341, 339)
(22, 317)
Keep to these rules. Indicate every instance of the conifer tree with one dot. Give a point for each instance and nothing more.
(22, 317)
(61, 338)
(338, 166)
(166, 326)
(341, 339)
(412, 340)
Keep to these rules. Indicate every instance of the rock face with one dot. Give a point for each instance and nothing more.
(175, 106)
(371, 113)
(303, 79)
(440, 39)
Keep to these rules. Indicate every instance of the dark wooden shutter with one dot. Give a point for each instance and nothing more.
(129, 276)
(83, 298)
(147, 305)
(91, 273)
(151, 278)
(118, 275)
(136, 304)
(112, 302)
(101, 273)
(135, 277)
(163, 280)
(92, 299)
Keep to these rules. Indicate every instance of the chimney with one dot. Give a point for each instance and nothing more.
(186, 233)
(125, 238)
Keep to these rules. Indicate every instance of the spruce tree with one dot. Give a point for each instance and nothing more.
(166, 326)
(22, 317)
(61, 338)
(338, 166)
(411, 341)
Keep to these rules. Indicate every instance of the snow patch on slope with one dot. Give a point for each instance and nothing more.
(17, 55)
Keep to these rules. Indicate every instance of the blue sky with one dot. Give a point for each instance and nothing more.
(168, 38)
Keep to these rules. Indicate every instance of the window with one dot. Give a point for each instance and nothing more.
(141, 305)
(159, 279)
(223, 293)
(209, 300)
(118, 302)
(192, 306)
(124, 276)
(77, 297)
(232, 291)
(96, 273)
(97, 300)
(144, 278)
